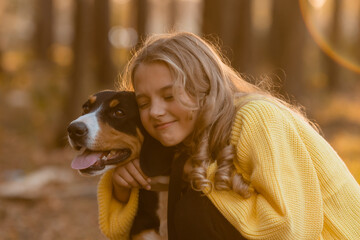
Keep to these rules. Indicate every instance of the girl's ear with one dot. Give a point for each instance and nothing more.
(155, 159)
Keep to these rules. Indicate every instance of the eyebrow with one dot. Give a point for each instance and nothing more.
(160, 90)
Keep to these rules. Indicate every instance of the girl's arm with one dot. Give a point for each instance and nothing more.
(122, 194)
(129, 176)
(118, 199)
(272, 155)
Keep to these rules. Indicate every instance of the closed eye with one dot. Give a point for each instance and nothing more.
(142, 101)
(169, 98)
(142, 105)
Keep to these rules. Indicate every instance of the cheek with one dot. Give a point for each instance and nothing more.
(188, 120)
(192, 119)
(145, 120)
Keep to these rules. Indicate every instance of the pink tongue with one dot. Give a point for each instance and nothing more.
(85, 160)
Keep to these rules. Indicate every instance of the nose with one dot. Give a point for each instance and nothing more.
(77, 130)
(157, 109)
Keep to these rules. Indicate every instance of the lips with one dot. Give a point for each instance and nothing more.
(160, 126)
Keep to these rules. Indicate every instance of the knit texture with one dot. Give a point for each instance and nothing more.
(115, 218)
(302, 189)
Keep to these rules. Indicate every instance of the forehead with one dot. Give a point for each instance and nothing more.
(152, 76)
(102, 97)
(111, 99)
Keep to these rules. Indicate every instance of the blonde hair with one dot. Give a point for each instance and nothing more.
(199, 69)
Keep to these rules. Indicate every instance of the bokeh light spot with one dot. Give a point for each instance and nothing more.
(123, 37)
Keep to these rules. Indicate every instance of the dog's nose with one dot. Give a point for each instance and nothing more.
(77, 130)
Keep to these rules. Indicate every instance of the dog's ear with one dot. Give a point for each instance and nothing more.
(155, 159)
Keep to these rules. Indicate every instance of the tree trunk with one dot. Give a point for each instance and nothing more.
(173, 14)
(231, 21)
(212, 21)
(1, 67)
(44, 29)
(105, 72)
(358, 38)
(332, 68)
(242, 36)
(287, 45)
(142, 15)
(80, 81)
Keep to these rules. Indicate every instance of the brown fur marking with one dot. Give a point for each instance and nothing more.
(109, 139)
(92, 99)
(113, 103)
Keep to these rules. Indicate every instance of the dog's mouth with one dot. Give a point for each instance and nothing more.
(95, 160)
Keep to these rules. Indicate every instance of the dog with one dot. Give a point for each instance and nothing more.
(108, 134)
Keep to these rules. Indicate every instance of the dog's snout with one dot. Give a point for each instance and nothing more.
(77, 130)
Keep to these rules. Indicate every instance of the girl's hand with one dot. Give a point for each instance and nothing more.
(129, 176)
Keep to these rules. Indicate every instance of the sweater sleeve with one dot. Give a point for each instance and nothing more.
(286, 202)
(115, 218)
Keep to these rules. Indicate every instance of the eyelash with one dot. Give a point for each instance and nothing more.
(170, 97)
(141, 106)
(166, 98)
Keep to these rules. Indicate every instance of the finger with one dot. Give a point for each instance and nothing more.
(118, 180)
(128, 177)
(136, 163)
(137, 175)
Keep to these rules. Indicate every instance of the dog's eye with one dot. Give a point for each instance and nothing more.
(118, 113)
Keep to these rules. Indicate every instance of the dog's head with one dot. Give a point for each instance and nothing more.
(108, 133)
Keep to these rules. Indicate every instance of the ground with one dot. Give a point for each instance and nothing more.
(63, 208)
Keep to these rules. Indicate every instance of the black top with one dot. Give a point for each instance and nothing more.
(191, 214)
(196, 218)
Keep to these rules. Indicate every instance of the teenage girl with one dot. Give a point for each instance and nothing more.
(254, 166)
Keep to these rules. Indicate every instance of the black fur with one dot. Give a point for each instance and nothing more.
(127, 103)
(155, 159)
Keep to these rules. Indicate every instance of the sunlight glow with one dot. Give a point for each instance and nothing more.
(338, 53)
(317, 3)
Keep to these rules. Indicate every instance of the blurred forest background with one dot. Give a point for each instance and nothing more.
(55, 53)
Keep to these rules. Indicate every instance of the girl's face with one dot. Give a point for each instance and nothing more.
(163, 117)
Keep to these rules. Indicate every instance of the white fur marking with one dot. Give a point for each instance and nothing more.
(162, 213)
(92, 125)
(160, 179)
(147, 235)
(97, 172)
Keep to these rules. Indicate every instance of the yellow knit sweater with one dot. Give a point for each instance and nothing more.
(302, 189)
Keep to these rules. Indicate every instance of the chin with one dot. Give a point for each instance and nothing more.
(169, 143)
